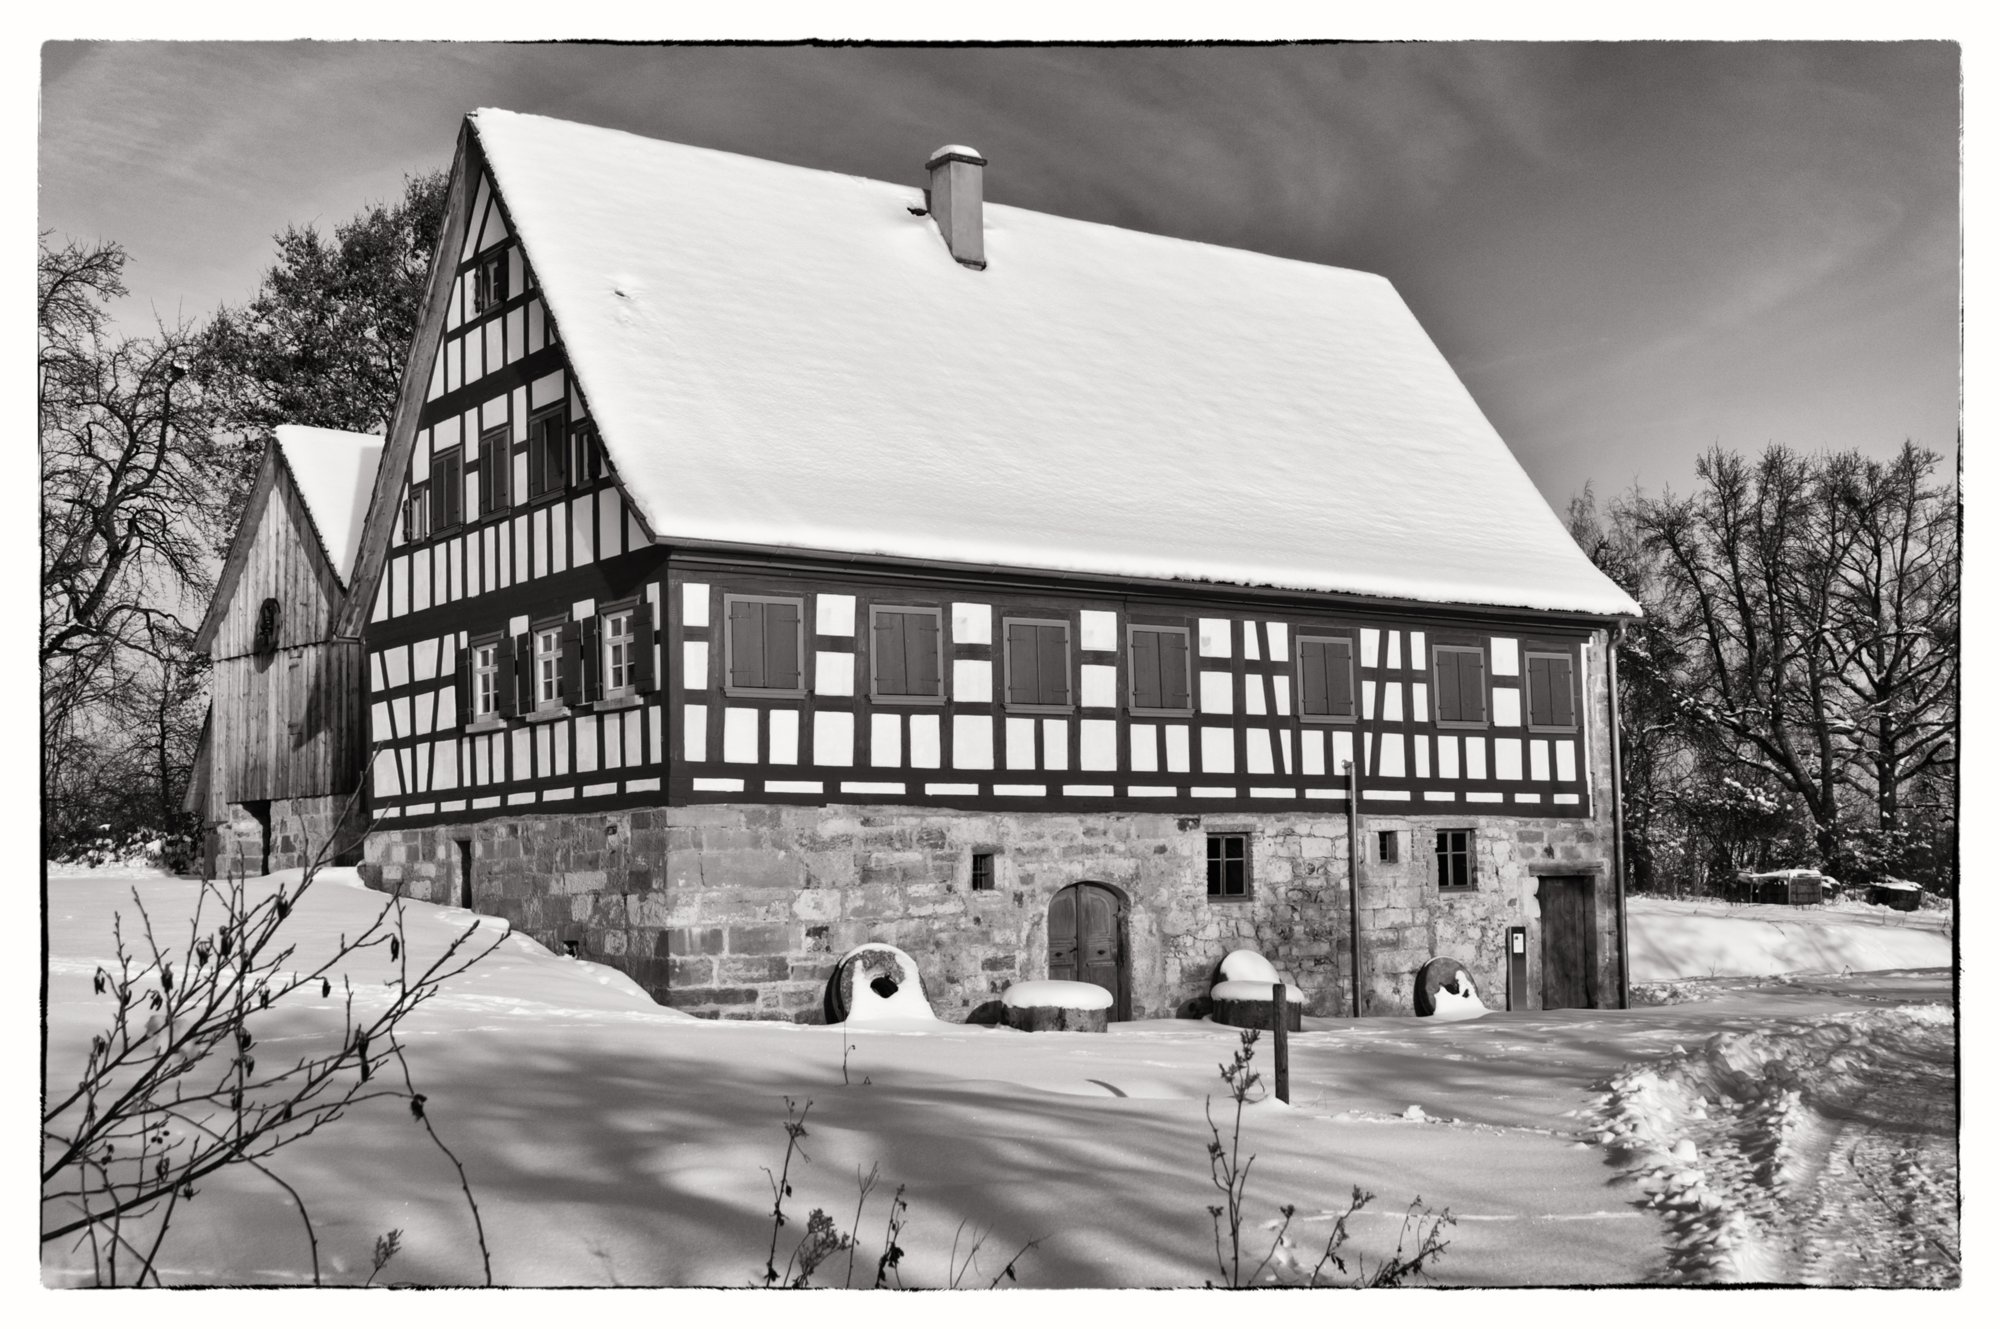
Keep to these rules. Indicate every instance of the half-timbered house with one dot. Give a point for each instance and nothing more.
(766, 560)
(278, 773)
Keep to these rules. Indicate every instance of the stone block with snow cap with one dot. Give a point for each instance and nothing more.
(1445, 991)
(1243, 997)
(1055, 1003)
(876, 985)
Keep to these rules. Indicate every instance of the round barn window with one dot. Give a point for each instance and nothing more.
(267, 628)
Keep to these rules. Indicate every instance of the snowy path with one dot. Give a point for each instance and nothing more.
(611, 1141)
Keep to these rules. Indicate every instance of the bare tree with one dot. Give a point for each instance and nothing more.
(176, 1087)
(130, 475)
(1895, 624)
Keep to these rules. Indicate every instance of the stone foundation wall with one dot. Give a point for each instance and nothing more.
(743, 910)
(300, 828)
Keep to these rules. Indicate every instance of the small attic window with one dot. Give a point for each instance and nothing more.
(266, 640)
(489, 282)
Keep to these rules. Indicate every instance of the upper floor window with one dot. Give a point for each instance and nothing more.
(447, 485)
(269, 615)
(1037, 664)
(489, 282)
(486, 679)
(1326, 678)
(618, 652)
(548, 453)
(765, 644)
(548, 667)
(1551, 691)
(586, 455)
(906, 651)
(1459, 673)
(496, 469)
(417, 512)
(1454, 861)
(1159, 670)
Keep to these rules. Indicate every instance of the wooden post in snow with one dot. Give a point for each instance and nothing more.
(1280, 1051)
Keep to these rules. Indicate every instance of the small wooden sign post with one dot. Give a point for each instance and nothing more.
(1279, 1050)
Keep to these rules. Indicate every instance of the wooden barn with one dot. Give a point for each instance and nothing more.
(766, 560)
(278, 774)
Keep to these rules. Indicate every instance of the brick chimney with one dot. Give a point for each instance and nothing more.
(955, 201)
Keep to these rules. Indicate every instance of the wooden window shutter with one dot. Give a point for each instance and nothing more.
(1340, 677)
(1020, 664)
(571, 669)
(295, 699)
(920, 637)
(1052, 665)
(1174, 670)
(1562, 694)
(500, 277)
(1539, 710)
(463, 679)
(454, 485)
(1446, 668)
(892, 673)
(1312, 678)
(781, 645)
(746, 644)
(643, 677)
(438, 490)
(1471, 686)
(1147, 692)
(507, 685)
(590, 678)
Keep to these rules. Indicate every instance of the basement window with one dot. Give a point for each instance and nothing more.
(1454, 861)
(1228, 867)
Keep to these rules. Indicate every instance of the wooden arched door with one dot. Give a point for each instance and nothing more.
(1087, 941)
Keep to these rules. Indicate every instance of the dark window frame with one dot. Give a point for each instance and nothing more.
(1457, 850)
(1347, 639)
(541, 450)
(496, 458)
(417, 512)
(1068, 706)
(1132, 706)
(1440, 649)
(1528, 693)
(1222, 840)
(984, 874)
(729, 645)
(489, 281)
(447, 489)
(1388, 847)
(875, 693)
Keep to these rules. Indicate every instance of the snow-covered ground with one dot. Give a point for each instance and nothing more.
(1675, 939)
(610, 1141)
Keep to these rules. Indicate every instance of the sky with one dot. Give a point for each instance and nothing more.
(1629, 252)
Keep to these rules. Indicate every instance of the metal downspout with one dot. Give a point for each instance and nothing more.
(1354, 885)
(1613, 638)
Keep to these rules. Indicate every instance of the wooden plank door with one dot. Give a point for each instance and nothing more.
(1568, 942)
(1085, 941)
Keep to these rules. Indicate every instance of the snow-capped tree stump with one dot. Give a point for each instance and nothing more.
(1056, 1004)
(1248, 1005)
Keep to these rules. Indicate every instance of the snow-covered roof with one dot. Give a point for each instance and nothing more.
(335, 471)
(783, 356)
